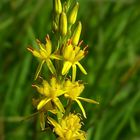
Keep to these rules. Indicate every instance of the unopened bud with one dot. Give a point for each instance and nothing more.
(76, 35)
(73, 14)
(55, 26)
(63, 24)
(57, 6)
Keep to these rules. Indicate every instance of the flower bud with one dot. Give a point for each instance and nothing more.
(73, 14)
(63, 24)
(54, 26)
(57, 6)
(76, 35)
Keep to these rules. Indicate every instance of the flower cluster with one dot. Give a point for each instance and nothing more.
(68, 128)
(59, 91)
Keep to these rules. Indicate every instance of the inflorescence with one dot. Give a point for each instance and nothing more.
(58, 92)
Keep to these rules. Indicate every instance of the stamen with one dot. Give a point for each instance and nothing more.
(80, 43)
(85, 48)
(30, 49)
(47, 37)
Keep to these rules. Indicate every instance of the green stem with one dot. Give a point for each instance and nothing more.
(68, 107)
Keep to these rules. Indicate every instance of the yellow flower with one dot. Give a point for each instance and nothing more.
(72, 55)
(50, 92)
(74, 89)
(45, 55)
(48, 107)
(68, 128)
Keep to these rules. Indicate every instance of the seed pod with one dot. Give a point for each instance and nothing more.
(57, 6)
(63, 24)
(73, 14)
(76, 35)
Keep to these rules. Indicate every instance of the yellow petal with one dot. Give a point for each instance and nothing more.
(57, 127)
(42, 120)
(42, 103)
(59, 104)
(53, 82)
(48, 45)
(88, 100)
(73, 72)
(81, 107)
(79, 55)
(69, 134)
(34, 52)
(54, 56)
(77, 49)
(39, 69)
(81, 68)
(53, 111)
(45, 84)
(60, 92)
(66, 67)
(46, 88)
(40, 89)
(60, 132)
(53, 122)
(41, 45)
(51, 66)
(67, 52)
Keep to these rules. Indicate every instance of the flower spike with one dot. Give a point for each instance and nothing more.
(61, 89)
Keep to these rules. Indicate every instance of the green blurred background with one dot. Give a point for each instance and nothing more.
(111, 28)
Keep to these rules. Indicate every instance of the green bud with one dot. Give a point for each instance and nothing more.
(55, 26)
(73, 14)
(63, 24)
(57, 6)
(76, 35)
